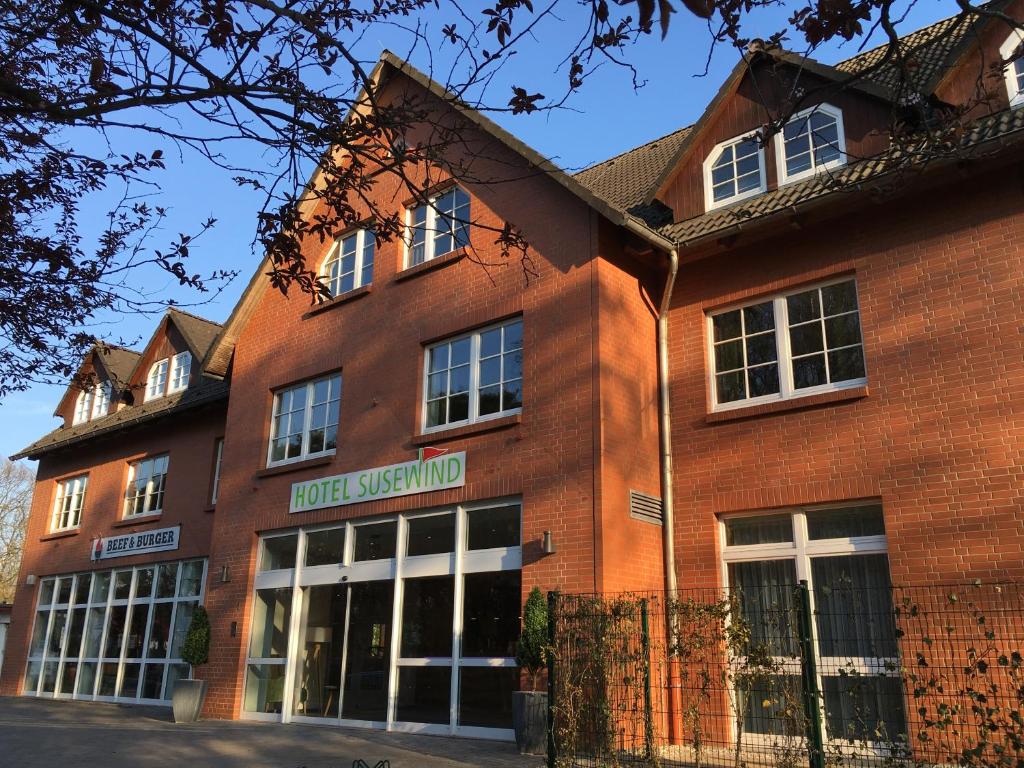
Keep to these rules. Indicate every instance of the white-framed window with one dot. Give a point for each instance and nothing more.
(67, 506)
(437, 228)
(790, 345)
(156, 382)
(101, 402)
(83, 406)
(146, 481)
(113, 635)
(812, 141)
(349, 263)
(840, 551)
(404, 622)
(734, 170)
(305, 420)
(218, 457)
(181, 369)
(474, 377)
(1013, 71)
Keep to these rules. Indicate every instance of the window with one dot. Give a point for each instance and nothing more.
(83, 406)
(819, 349)
(101, 404)
(156, 384)
(733, 171)
(218, 457)
(305, 420)
(840, 550)
(92, 642)
(474, 377)
(181, 368)
(1014, 69)
(438, 228)
(349, 264)
(67, 507)
(810, 142)
(146, 480)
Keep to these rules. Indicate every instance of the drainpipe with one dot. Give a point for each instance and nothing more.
(665, 423)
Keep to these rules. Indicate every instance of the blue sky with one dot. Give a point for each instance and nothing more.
(607, 117)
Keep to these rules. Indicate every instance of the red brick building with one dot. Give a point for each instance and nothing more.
(832, 407)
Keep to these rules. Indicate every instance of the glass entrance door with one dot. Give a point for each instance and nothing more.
(406, 623)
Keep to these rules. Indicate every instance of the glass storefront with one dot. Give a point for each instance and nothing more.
(408, 622)
(113, 635)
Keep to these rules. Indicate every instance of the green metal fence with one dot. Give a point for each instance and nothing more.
(789, 676)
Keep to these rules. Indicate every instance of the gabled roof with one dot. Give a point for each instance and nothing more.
(121, 364)
(116, 364)
(218, 360)
(205, 391)
(1006, 126)
(198, 332)
(933, 52)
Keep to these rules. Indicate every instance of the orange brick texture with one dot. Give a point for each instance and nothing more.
(548, 457)
(936, 435)
(190, 443)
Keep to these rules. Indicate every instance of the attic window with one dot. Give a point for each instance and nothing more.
(181, 368)
(156, 383)
(812, 141)
(1013, 72)
(733, 171)
(83, 406)
(101, 403)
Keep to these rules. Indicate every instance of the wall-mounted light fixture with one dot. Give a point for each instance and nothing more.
(225, 575)
(548, 544)
(30, 580)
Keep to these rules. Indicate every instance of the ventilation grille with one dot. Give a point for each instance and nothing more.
(644, 507)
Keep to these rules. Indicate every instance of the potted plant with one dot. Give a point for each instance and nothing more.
(188, 694)
(530, 708)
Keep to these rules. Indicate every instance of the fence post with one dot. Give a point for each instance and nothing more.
(648, 714)
(809, 675)
(552, 607)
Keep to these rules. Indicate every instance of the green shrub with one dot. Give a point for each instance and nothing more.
(532, 649)
(196, 649)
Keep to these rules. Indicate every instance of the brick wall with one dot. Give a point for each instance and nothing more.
(189, 442)
(936, 436)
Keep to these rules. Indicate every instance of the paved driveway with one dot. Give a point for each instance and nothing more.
(37, 733)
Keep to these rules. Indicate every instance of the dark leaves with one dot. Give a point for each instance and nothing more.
(522, 101)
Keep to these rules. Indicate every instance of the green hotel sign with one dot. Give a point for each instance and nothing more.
(419, 476)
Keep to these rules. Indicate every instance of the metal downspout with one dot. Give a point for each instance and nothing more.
(665, 419)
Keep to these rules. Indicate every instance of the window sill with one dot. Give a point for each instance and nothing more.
(793, 404)
(295, 466)
(337, 301)
(491, 425)
(60, 535)
(139, 520)
(429, 266)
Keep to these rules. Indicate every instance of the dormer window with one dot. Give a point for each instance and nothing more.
(733, 171)
(349, 265)
(101, 401)
(181, 369)
(156, 383)
(83, 406)
(1013, 72)
(812, 141)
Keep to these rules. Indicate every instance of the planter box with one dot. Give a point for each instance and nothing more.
(187, 700)
(530, 721)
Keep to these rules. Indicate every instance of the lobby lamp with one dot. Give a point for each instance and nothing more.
(548, 544)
